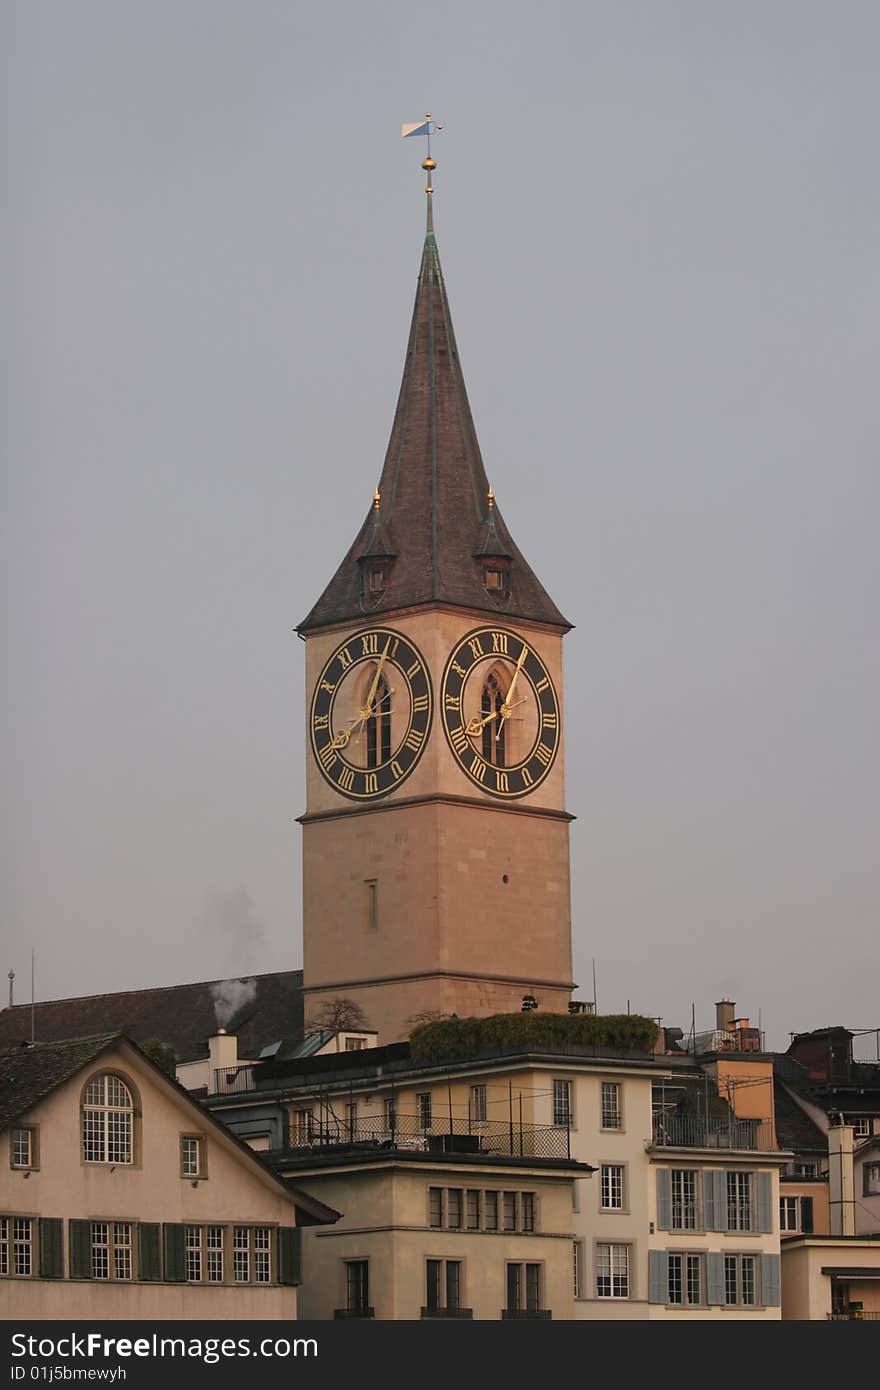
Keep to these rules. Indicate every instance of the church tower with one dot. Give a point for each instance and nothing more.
(435, 836)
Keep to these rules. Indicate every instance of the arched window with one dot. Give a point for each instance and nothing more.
(107, 1120)
(379, 727)
(494, 733)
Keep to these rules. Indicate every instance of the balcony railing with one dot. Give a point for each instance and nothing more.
(406, 1133)
(695, 1131)
(853, 1317)
(229, 1080)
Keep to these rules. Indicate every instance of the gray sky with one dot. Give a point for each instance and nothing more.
(659, 224)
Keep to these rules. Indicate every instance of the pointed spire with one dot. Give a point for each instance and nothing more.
(434, 514)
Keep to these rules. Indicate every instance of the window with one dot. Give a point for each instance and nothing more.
(495, 729)
(611, 1187)
(423, 1100)
(685, 1273)
(443, 1280)
(205, 1248)
(107, 1121)
(562, 1102)
(611, 1112)
(16, 1246)
(861, 1126)
(357, 1286)
(806, 1170)
(355, 1044)
(351, 1118)
(378, 726)
(478, 1103)
(577, 1260)
(252, 1254)
(475, 1209)
(192, 1156)
(739, 1201)
(524, 1289)
(372, 887)
(871, 1180)
(111, 1249)
(390, 1114)
(612, 1270)
(739, 1280)
(788, 1214)
(303, 1124)
(684, 1199)
(23, 1147)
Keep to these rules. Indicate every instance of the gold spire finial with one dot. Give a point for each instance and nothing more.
(377, 500)
(424, 128)
(491, 498)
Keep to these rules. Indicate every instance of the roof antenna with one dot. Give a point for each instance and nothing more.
(33, 1031)
(11, 988)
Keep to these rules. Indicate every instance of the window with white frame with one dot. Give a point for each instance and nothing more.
(107, 1121)
(683, 1185)
(861, 1126)
(23, 1146)
(611, 1110)
(355, 1044)
(789, 1214)
(577, 1266)
(686, 1275)
(805, 1169)
(423, 1100)
(611, 1187)
(561, 1102)
(111, 1249)
(252, 1254)
(443, 1286)
(479, 1109)
(16, 1246)
(303, 1126)
(739, 1201)
(612, 1270)
(740, 1280)
(192, 1155)
(871, 1180)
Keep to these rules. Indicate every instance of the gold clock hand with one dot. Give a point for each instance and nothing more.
(506, 706)
(365, 711)
(475, 725)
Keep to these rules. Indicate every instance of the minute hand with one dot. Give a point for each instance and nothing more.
(506, 705)
(368, 705)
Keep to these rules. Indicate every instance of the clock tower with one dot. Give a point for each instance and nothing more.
(435, 836)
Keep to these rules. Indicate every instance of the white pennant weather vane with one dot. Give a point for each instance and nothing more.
(423, 128)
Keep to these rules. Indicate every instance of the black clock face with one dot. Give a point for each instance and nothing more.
(371, 713)
(500, 712)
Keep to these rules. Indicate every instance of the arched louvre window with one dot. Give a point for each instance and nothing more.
(107, 1121)
(494, 733)
(379, 727)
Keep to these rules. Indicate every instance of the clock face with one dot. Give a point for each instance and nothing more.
(371, 713)
(500, 712)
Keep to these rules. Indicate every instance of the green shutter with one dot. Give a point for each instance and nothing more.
(51, 1247)
(764, 1189)
(664, 1200)
(149, 1259)
(289, 1255)
(174, 1243)
(807, 1216)
(714, 1277)
(770, 1290)
(80, 1240)
(658, 1276)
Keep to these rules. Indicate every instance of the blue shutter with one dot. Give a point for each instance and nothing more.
(770, 1286)
(664, 1199)
(658, 1276)
(714, 1277)
(764, 1189)
(714, 1199)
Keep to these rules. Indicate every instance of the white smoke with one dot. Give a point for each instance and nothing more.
(230, 997)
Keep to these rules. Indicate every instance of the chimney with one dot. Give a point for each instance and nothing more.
(725, 1011)
(841, 1181)
(222, 1052)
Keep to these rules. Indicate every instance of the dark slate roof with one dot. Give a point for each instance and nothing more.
(794, 1128)
(182, 1015)
(434, 516)
(29, 1074)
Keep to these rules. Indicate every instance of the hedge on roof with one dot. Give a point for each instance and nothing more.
(462, 1037)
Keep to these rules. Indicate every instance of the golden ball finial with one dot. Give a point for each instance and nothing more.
(428, 164)
(377, 499)
(491, 498)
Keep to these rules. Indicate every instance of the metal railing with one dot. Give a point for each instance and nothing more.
(406, 1133)
(853, 1317)
(695, 1131)
(230, 1080)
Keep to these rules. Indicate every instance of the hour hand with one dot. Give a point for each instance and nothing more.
(475, 725)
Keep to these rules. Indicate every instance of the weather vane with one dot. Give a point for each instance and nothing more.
(423, 128)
